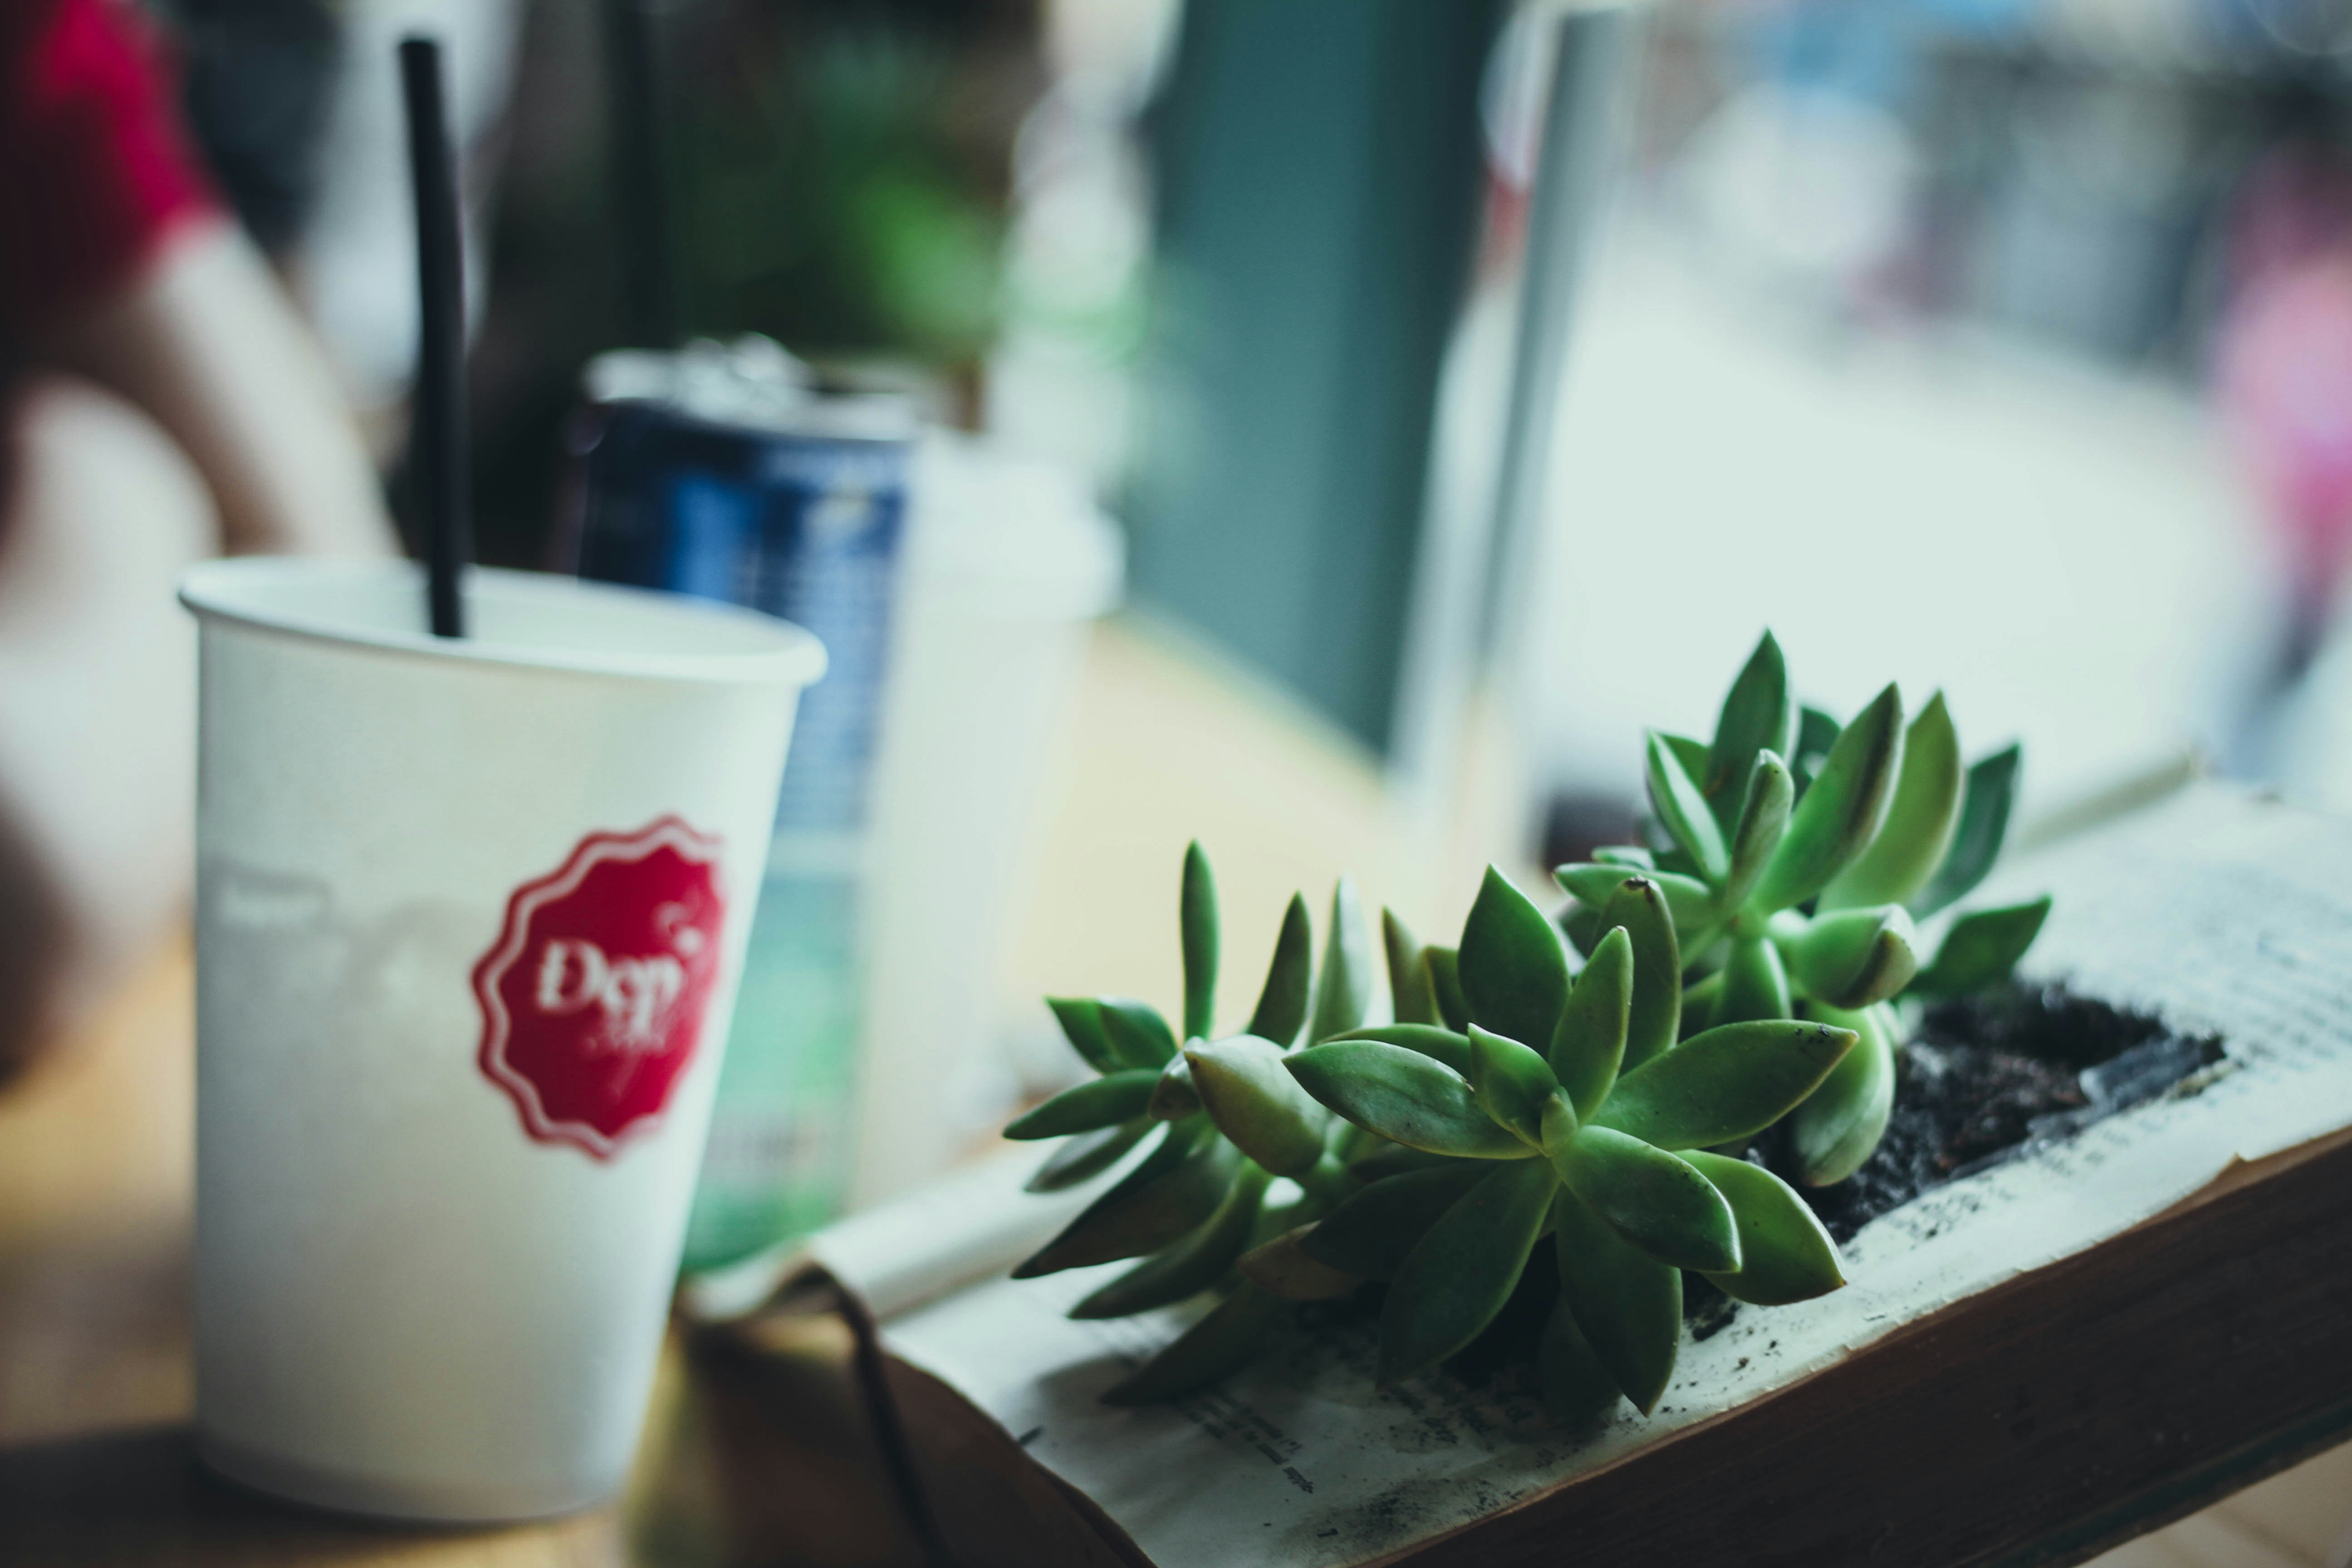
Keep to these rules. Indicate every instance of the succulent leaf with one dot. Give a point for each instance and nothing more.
(1344, 992)
(1757, 716)
(1837, 816)
(1513, 1083)
(1692, 900)
(1838, 1127)
(1173, 1188)
(1755, 982)
(1628, 1304)
(1731, 1082)
(1851, 958)
(1088, 1155)
(1098, 1102)
(1404, 1097)
(1289, 979)
(1654, 1199)
(1680, 804)
(1976, 842)
(1385, 1160)
(1283, 1268)
(1917, 832)
(1371, 1231)
(1785, 1254)
(1174, 1098)
(1983, 947)
(1437, 1044)
(1513, 966)
(1254, 1101)
(1756, 831)
(1460, 1273)
(1192, 1264)
(1082, 1026)
(1412, 994)
(1576, 1384)
(1138, 1035)
(1197, 925)
(1222, 1342)
(1633, 855)
(1588, 1047)
(1640, 909)
(1445, 984)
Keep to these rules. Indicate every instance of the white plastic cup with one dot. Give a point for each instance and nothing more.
(470, 915)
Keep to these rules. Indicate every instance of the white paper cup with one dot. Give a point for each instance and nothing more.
(469, 919)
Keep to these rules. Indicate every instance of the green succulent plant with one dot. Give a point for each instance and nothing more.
(1794, 856)
(1542, 1104)
(1239, 1154)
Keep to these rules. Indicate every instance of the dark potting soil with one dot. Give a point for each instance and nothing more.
(1986, 1078)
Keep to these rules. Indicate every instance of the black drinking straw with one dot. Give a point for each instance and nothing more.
(438, 414)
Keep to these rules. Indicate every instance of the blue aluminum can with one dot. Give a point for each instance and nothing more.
(720, 472)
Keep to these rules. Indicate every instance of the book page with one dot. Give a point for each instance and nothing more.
(2221, 913)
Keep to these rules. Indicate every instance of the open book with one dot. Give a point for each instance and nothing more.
(2224, 914)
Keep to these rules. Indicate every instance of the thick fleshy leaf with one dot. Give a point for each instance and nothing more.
(1289, 980)
(1174, 1098)
(1371, 1231)
(1460, 1273)
(1983, 947)
(1785, 1254)
(1658, 1001)
(1404, 1097)
(1838, 1127)
(1255, 1102)
(1088, 1155)
(1633, 855)
(1344, 992)
(1098, 1102)
(1413, 998)
(1755, 982)
(1138, 1035)
(1197, 925)
(1588, 1047)
(1445, 984)
(1757, 716)
(1675, 796)
(1284, 1268)
(1692, 900)
(1629, 1305)
(1836, 817)
(1173, 1188)
(1976, 842)
(1851, 958)
(1437, 1044)
(1082, 1026)
(1654, 1199)
(1220, 1344)
(1513, 1083)
(1576, 1383)
(1513, 966)
(1192, 1264)
(1756, 831)
(1917, 831)
(1731, 1082)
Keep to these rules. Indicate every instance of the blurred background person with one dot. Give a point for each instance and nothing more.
(162, 403)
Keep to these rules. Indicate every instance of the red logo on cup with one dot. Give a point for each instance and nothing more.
(593, 996)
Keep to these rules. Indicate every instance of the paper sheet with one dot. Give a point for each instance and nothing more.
(2222, 914)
